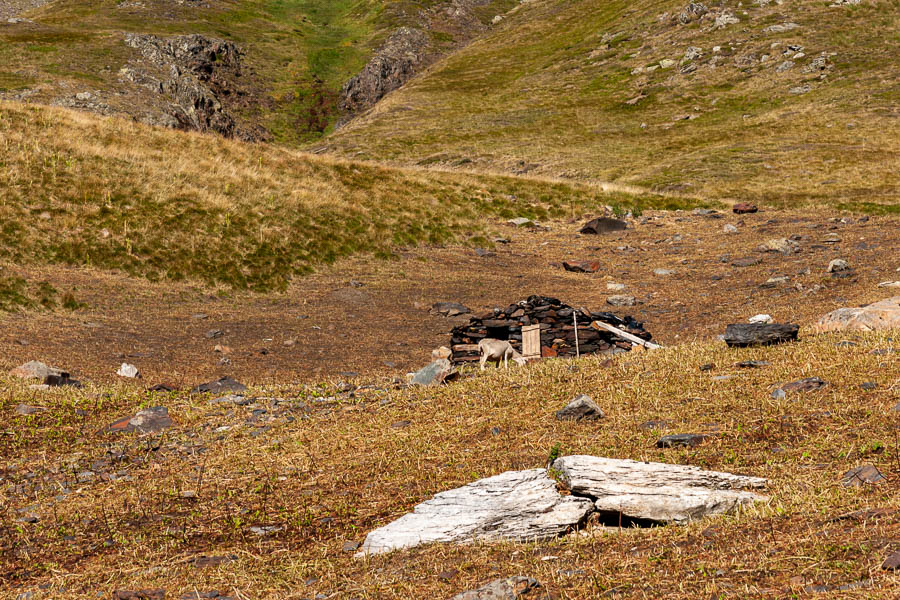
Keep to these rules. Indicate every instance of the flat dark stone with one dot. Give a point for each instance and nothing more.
(603, 225)
(810, 384)
(688, 440)
(450, 309)
(745, 262)
(892, 562)
(162, 387)
(740, 335)
(861, 475)
(585, 266)
(752, 364)
(213, 334)
(707, 367)
(225, 384)
(61, 380)
(869, 385)
(212, 561)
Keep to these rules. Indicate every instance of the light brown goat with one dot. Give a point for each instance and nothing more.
(497, 351)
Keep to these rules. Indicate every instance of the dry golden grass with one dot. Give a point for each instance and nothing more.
(326, 466)
(80, 190)
(546, 92)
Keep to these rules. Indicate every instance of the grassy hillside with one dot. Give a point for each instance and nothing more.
(259, 499)
(80, 190)
(300, 51)
(575, 89)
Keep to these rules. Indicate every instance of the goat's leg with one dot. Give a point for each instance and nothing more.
(483, 360)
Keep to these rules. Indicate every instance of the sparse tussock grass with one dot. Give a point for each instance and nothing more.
(332, 466)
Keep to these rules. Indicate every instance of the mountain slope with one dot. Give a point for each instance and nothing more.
(789, 103)
(282, 78)
(80, 190)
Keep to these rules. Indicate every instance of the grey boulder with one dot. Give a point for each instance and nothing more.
(515, 506)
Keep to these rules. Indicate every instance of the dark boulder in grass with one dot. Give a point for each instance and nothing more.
(603, 225)
(740, 335)
(684, 440)
(582, 408)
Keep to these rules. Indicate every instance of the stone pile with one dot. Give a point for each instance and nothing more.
(557, 329)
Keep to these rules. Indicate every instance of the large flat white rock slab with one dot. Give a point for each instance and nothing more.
(656, 491)
(516, 506)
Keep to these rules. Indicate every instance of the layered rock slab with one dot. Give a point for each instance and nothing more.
(656, 491)
(515, 506)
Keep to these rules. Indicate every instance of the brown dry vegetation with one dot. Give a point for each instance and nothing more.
(325, 467)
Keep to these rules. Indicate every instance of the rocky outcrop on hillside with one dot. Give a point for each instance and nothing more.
(398, 60)
(409, 50)
(195, 79)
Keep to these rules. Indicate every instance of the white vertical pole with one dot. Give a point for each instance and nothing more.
(575, 320)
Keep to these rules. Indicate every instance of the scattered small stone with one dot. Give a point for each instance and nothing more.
(213, 334)
(663, 272)
(688, 440)
(810, 384)
(35, 370)
(265, 530)
(219, 386)
(450, 309)
(61, 380)
(621, 300)
(749, 261)
(615, 287)
(654, 425)
(585, 266)
(869, 385)
(892, 562)
(522, 222)
(149, 420)
(707, 367)
(729, 228)
(781, 245)
(129, 371)
(752, 364)
(400, 424)
(780, 28)
(162, 387)
(861, 475)
(159, 594)
(437, 372)
(743, 208)
(350, 546)
(762, 318)
(212, 561)
(838, 265)
(582, 408)
(447, 575)
(26, 410)
(889, 284)
(511, 588)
